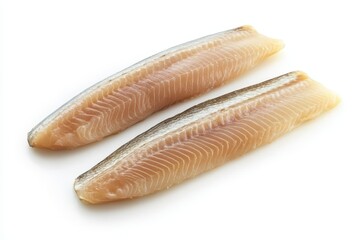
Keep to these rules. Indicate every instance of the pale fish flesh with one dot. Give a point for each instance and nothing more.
(204, 137)
(168, 77)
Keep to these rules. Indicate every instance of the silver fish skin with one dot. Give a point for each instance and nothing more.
(204, 137)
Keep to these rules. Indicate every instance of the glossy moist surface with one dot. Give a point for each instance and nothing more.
(204, 137)
(133, 94)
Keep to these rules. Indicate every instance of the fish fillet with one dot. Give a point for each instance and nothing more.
(204, 137)
(168, 77)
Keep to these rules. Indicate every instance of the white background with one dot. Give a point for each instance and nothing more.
(305, 185)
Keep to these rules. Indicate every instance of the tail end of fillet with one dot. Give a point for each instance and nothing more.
(80, 192)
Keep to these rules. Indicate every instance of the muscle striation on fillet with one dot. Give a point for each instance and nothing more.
(204, 137)
(131, 95)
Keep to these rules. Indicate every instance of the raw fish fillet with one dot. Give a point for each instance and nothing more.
(131, 95)
(204, 137)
